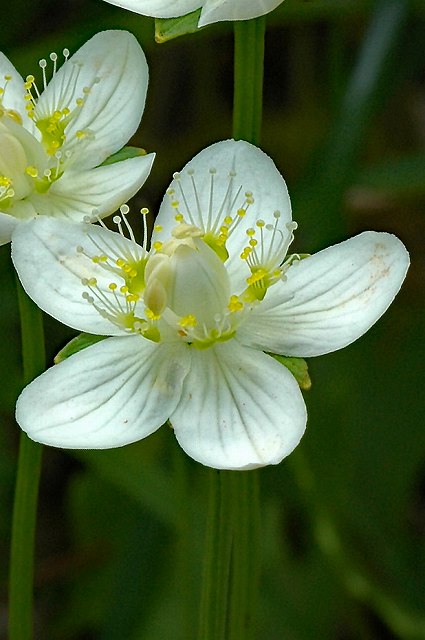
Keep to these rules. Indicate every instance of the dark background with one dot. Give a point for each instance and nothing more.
(120, 535)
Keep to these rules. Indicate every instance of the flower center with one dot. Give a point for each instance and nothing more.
(179, 290)
(52, 124)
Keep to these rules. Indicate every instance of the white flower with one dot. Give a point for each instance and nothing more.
(212, 10)
(191, 318)
(53, 140)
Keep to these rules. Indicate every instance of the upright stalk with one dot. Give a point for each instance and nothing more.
(27, 481)
(248, 79)
(232, 542)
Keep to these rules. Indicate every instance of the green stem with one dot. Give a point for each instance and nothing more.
(248, 79)
(245, 555)
(231, 559)
(27, 481)
(231, 567)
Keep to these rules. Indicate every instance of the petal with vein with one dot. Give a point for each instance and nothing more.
(112, 66)
(77, 193)
(51, 272)
(204, 198)
(113, 393)
(329, 299)
(239, 409)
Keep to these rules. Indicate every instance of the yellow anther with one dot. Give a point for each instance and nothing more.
(228, 220)
(119, 262)
(124, 289)
(92, 282)
(5, 182)
(241, 213)
(224, 230)
(132, 273)
(188, 321)
(79, 102)
(256, 276)
(112, 286)
(7, 77)
(250, 232)
(175, 204)
(157, 245)
(235, 304)
(132, 297)
(178, 217)
(253, 242)
(260, 224)
(80, 134)
(157, 228)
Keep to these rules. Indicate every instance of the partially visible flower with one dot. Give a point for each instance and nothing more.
(191, 318)
(54, 139)
(212, 10)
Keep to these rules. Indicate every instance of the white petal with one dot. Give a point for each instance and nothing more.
(77, 193)
(44, 252)
(113, 393)
(329, 299)
(159, 8)
(217, 10)
(239, 409)
(199, 202)
(7, 225)
(113, 65)
(13, 97)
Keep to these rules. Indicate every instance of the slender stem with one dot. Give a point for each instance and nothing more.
(231, 556)
(27, 481)
(219, 537)
(248, 79)
(245, 555)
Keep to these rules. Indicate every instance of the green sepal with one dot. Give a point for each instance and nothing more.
(170, 28)
(77, 344)
(124, 154)
(298, 367)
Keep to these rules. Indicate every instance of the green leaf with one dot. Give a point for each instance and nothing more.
(124, 154)
(78, 343)
(170, 28)
(299, 369)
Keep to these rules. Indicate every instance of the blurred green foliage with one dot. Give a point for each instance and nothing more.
(120, 533)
